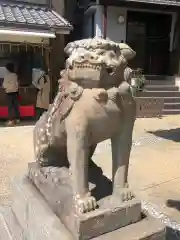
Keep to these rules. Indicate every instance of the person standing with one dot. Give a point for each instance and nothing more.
(11, 87)
(43, 95)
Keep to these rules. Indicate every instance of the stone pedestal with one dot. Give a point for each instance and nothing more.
(55, 186)
(48, 214)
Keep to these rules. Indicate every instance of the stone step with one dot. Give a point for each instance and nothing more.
(172, 100)
(171, 111)
(160, 82)
(159, 78)
(172, 106)
(9, 226)
(169, 99)
(158, 94)
(161, 88)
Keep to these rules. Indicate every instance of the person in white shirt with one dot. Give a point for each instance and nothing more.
(43, 95)
(11, 87)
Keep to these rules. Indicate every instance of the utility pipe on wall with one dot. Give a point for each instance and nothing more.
(105, 22)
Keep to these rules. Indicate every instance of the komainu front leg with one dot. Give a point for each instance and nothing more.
(120, 159)
(121, 148)
(78, 156)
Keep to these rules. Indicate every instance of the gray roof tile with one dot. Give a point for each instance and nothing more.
(31, 15)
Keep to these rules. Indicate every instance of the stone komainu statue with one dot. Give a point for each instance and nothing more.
(94, 103)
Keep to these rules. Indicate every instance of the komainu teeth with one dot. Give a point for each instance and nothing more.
(87, 65)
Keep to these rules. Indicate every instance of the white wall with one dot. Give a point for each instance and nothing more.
(116, 31)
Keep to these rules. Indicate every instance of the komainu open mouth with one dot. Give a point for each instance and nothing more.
(87, 66)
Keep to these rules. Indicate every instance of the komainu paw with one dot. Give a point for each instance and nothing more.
(125, 194)
(85, 204)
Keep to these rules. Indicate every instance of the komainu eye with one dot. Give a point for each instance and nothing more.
(109, 70)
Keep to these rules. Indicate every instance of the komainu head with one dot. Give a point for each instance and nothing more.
(97, 63)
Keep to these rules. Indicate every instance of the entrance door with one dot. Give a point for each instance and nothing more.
(149, 35)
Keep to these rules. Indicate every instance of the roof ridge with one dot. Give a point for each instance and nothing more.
(31, 5)
(22, 2)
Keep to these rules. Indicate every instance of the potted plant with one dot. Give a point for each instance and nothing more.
(139, 81)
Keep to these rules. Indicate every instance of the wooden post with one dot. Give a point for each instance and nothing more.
(50, 74)
(51, 71)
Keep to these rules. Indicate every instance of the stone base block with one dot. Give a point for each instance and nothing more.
(147, 229)
(32, 219)
(39, 222)
(55, 186)
(9, 226)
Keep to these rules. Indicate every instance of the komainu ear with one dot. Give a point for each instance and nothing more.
(126, 51)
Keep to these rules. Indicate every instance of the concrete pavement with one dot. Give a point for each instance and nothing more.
(154, 166)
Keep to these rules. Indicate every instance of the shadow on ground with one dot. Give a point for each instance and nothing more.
(173, 204)
(172, 234)
(24, 122)
(103, 186)
(170, 134)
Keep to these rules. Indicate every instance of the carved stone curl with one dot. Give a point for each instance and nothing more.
(94, 103)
